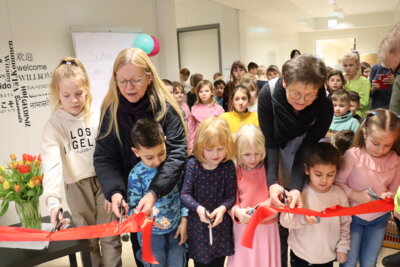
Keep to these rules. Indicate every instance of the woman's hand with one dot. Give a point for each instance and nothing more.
(276, 194)
(242, 214)
(217, 215)
(146, 204)
(182, 231)
(116, 202)
(294, 199)
(341, 257)
(203, 214)
(389, 80)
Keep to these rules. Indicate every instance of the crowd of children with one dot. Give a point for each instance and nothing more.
(308, 128)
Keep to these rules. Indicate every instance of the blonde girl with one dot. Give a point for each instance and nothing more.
(372, 164)
(135, 92)
(252, 190)
(205, 107)
(239, 114)
(355, 81)
(334, 81)
(208, 192)
(67, 149)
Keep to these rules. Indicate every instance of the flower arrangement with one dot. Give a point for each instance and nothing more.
(21, 182)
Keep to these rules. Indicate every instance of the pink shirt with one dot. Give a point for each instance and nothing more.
(361, 170)
(252, 188)
(189, 121)
(201, 112)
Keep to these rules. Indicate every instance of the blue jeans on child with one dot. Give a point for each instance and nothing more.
(166, 250)
(366, 241)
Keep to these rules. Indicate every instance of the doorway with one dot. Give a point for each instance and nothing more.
(333, 50)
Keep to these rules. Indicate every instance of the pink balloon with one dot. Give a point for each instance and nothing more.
(156, 48)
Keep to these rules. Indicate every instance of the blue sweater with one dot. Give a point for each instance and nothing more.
(345, 122)
(169, 205)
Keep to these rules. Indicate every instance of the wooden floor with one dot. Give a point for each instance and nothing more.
(127, 258)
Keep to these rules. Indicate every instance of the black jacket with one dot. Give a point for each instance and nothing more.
(113, 160)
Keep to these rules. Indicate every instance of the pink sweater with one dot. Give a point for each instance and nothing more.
(318, 243)
(361, 171)
(189, 121)
(201, 112)
(252, 188)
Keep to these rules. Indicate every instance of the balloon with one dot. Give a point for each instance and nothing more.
(144, 42)
(156, 48)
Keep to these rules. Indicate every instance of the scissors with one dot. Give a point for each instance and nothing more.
(124, 236)
(210, 234)
(372, 194)
(252, 210)
(59, 223)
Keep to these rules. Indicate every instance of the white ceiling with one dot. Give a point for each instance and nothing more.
(304, 15)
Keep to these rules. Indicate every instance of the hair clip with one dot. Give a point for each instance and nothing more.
(398, 116)
(68, 63)
(372, 113)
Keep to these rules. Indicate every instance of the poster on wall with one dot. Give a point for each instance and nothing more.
(97, 51)
(24, 85)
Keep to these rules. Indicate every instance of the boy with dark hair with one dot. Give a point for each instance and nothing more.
(169, 216)
(184, 74)
(273, 72)
(252, 68)
(343, 140)
(355, 104)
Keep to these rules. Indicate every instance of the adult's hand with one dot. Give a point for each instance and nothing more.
(276, 194)
(294, 199)
(146, 204)
(116, 202)
(53, 218)
(389, 80)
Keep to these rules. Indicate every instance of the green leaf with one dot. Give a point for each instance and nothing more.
(30, 193)
(4, 207)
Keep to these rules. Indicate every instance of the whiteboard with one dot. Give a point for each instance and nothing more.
(97, 51)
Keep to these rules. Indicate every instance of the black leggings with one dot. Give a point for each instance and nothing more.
(298, 262)
(217, 262)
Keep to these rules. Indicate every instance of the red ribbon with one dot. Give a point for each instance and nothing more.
(264, 212)
(134, 223)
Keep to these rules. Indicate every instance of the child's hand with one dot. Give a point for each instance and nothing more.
(385, 195)
(341, 257)
(310, 219)
(182, 231)
(217, 215)
(243, 214)
(374, 86)
(201, 211)
(361, 197)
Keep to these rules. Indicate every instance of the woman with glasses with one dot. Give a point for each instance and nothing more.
(136, 91)
(292, 115)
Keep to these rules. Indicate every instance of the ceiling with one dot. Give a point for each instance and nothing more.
(307, 15)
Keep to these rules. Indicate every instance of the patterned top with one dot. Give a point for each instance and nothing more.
(169, 206)
(211, 189)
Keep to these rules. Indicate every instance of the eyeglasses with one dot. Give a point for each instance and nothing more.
(133, 82)
(297, 96)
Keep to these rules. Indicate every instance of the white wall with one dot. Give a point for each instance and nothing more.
(265, 43)
(41, 28)
(202, 12)
(368, 39)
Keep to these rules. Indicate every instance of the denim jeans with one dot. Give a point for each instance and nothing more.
(366, 241)
(166, 250)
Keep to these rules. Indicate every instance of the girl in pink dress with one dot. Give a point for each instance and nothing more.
(179, 95)
(252, 190)
(371, 166)
(204, 107)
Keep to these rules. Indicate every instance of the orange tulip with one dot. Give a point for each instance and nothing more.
(13, 157)
(17, 188)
